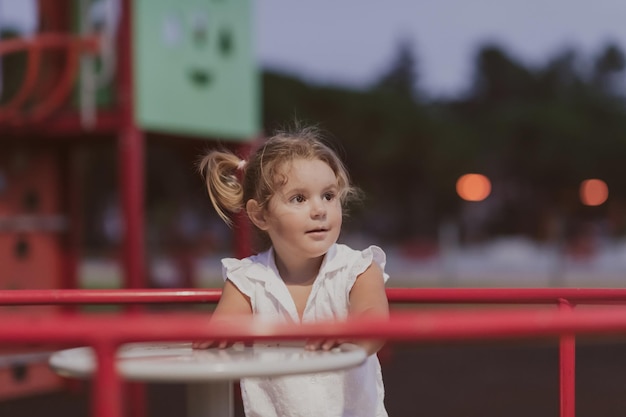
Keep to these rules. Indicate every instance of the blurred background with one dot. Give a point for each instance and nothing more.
(527, 96)
(488, 137)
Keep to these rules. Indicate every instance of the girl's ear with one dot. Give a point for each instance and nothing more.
(256, 214)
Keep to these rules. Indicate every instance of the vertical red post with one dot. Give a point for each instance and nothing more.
(241, 229)
(107, 390)
(567, 367)
(71, 191)
(131, 179)
(71, 240)
(131, 159)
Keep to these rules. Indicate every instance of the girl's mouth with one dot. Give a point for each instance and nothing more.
(317, 231)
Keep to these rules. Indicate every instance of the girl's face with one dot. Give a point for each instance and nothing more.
(303, 218)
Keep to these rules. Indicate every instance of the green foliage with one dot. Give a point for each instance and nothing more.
(536, 132)
(401, 78)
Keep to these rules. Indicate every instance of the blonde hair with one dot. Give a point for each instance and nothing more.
(231, 181)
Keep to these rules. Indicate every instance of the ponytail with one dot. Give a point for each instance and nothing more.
(221, 171)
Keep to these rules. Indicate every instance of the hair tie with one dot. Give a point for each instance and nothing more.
(241, 165)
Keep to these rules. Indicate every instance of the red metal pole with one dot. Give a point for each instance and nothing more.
(242, 231)
(505, 295)
(416, 326)
(71, 188)
(567, 366)
(114, 296)
(131, 148)
(107, 392)
(395, 295)
(70, 174)
(131, 159)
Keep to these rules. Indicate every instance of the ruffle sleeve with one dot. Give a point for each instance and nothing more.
(235, 270)
(363, 259)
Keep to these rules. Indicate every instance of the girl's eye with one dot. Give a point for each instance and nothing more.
(298, 198)
(329, 196)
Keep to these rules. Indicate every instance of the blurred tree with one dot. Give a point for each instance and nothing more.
(561, 77)
(402, 76)
(540, 131)
(608, 66)
(536, 132)
(498, 77)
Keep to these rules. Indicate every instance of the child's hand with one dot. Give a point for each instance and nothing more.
(232, 307)
(206, 344)
(322, 344)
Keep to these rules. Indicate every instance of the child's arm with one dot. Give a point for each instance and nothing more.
(233, 303)
(368, 298)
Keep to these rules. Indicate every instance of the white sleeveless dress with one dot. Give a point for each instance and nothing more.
(357, 392)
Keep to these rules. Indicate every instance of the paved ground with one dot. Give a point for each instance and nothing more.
(452, 380)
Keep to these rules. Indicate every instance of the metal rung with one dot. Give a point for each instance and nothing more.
(28, 223)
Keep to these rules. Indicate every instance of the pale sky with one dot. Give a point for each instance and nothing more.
(351, 42)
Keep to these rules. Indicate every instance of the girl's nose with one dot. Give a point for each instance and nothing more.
(318, 209)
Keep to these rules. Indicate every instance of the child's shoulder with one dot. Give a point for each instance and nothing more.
(241, 266)
(344, 250)
(357, 258)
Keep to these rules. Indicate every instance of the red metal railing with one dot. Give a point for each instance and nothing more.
(116, 296)
(563, 322)
(395, 295)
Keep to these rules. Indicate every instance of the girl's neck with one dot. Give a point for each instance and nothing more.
(299, 272)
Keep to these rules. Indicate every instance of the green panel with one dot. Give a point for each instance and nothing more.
(195, 70)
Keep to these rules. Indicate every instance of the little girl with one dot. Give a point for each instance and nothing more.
(293, 189)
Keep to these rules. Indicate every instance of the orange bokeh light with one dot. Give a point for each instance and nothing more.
(593, 192)
(473, 187)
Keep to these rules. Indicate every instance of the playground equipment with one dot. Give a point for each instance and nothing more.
(196, 56)
(118, 70)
